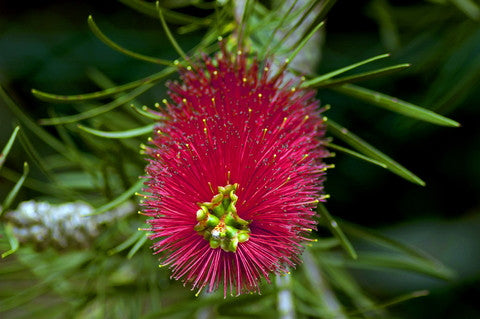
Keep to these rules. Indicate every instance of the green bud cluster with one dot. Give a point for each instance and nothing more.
(219, 223)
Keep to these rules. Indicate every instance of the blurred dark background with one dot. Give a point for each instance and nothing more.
(47, 45)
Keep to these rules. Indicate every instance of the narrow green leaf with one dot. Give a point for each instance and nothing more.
(99, 110)
(395, 105)
(316, 278)
(34, 127)
(39, 186)
(138, 245)
(302, 293)
(321, 9)
(148, 129)
(11, 267)
(342, 279)
(326, 6)
(148, 8)
(168, 33)
(382, 12)
(336, 230)
(77, 158)
(244, 26)
(306, 11)
(42, 164)
(35, 157)
(325, 243)
(304, 41)
(189, 28)
(315, 81)
(127, 243)
(278, 26)
(381, 261)
(365, 148)
(391, 302)
(120, 199)
(469, 7)
(377, 238)
(77, 180)
(143, 111)
(104, 93)
(93, 26)
(362, 76)
(13, 193)
(12, 240)
(188, 305)
(8, 146)
(24, 296)
(355, 154)
(411, 255)
(204, 5)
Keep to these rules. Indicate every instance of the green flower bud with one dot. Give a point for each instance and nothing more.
(219, 223)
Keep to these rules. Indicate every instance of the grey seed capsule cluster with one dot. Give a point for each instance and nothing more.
(62, 226)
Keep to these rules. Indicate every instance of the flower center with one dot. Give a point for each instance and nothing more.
(219, 223)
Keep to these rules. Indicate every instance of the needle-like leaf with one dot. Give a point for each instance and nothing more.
(319, 79)
(362, 76)
(99, 110)
(12, 240)
(365, 148)
(336, 230)
(169, 33)
(104, 93)
(93, 26)
(120, 199)
(8, 146)
(355, 154)
(119, 134)
(395, 105)
(14, 191)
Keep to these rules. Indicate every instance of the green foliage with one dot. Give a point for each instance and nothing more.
(94, 155)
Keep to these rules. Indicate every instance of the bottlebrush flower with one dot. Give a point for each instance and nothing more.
(234, 174)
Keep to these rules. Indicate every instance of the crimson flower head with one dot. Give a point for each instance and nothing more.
(234, 174)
